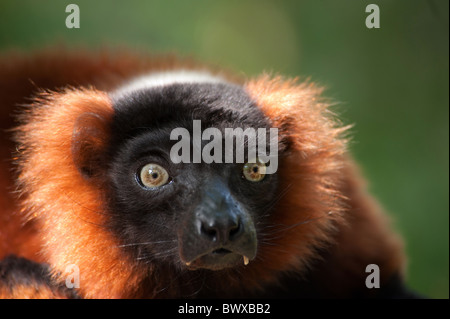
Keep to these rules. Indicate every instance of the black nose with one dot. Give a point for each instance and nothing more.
(221, 227)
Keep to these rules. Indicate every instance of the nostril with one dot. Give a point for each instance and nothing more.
(235, 230)
(209, 232)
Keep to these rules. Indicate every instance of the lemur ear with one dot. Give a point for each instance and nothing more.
(89, 140)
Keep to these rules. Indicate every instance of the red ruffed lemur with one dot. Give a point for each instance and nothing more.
(86, 179)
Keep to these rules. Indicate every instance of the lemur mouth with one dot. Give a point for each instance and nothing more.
(217, 259)
(221, 251)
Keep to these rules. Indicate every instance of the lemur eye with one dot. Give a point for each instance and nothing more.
(254, 172)
(153, 175)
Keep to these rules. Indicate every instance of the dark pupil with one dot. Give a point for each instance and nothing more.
(255, 169)
(154, 175)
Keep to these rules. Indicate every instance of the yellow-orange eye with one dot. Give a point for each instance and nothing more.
(254, 172)
(153, 175)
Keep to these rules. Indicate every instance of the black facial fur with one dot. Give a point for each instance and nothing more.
(155, 224)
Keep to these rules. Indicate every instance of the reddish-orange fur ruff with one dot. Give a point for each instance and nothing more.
(324, 188)
(68, 209)
(322, 203)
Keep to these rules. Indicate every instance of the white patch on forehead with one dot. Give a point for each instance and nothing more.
(159, 79)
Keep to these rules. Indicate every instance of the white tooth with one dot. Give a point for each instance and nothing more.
(246, 261)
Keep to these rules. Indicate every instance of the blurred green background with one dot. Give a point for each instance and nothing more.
(392, 82)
